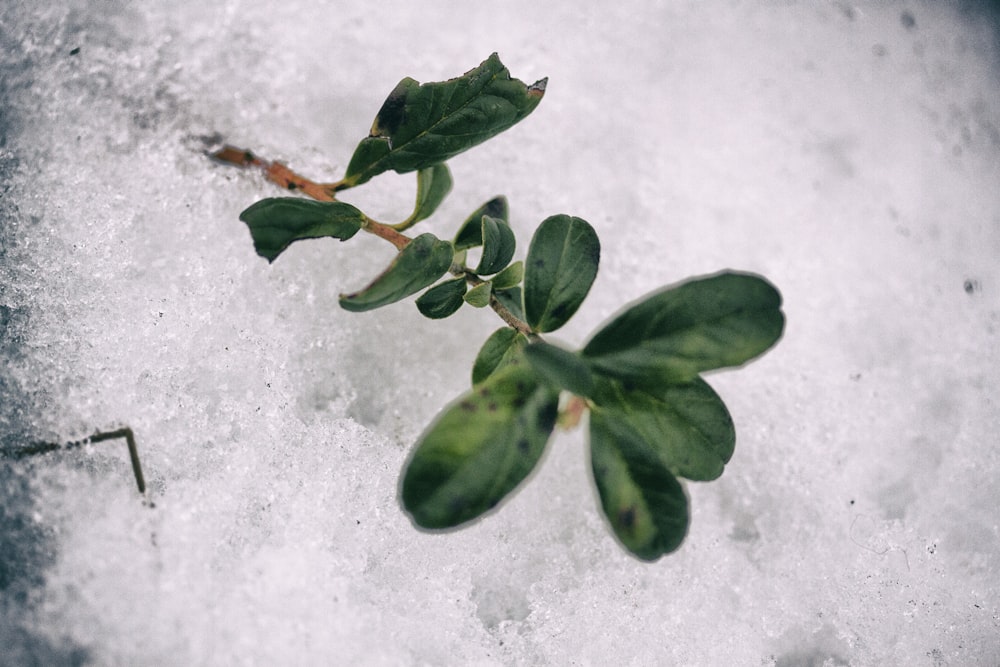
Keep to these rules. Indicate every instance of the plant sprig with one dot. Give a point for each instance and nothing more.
(652, 418)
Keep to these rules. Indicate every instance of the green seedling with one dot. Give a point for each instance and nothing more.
(652, 418)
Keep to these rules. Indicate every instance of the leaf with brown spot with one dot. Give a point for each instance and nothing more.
(479, 449)
(420, 125)
(642, 500)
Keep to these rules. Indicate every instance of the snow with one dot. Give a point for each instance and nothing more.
(849, 152)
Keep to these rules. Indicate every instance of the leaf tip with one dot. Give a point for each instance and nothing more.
(537, 89)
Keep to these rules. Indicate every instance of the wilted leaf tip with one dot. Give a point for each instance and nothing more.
(537, 89)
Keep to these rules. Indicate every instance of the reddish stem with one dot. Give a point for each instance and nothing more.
(277, 173)
(387, 232)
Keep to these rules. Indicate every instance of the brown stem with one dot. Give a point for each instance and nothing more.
(278, 173)
(386, 232)
(501, 310)
(510, 318)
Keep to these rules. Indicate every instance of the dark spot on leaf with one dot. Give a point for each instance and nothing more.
(492, 407)
(292, 186)
(906, 18)
(523, 446)
(468, 406)
(456, 505)
(539, 263)
(626, 518)
(496, 208)
(484, 392)
(392, 113)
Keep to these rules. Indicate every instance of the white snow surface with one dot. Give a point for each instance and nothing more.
(850, 152)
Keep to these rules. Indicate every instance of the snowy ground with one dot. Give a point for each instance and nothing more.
(849, 152)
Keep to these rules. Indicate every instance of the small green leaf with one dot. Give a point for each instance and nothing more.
(560, 268)
(498, 246)
(499, 351)
(479, 449)
(433, 185)
(509, 277)
(479, 296)
(416, 266)
(277, 222)
(644, 503)
(511, 300)
(419, 126)
(470, 234)
(442, 300)
(687, 425)
(674, 334)
(560, 367)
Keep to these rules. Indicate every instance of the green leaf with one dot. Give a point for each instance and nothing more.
(686, 425)
(644, 503)
(500, 350)
(674, 334)
(509, 277)
(560, 268)
(433, 185)
(479, 449)
(470, 234)
(416, 266)
(419, 126)
(277, 222)
(560, 367)
(442, 300)
(479, 296)
(511, 300)
(498, 246)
